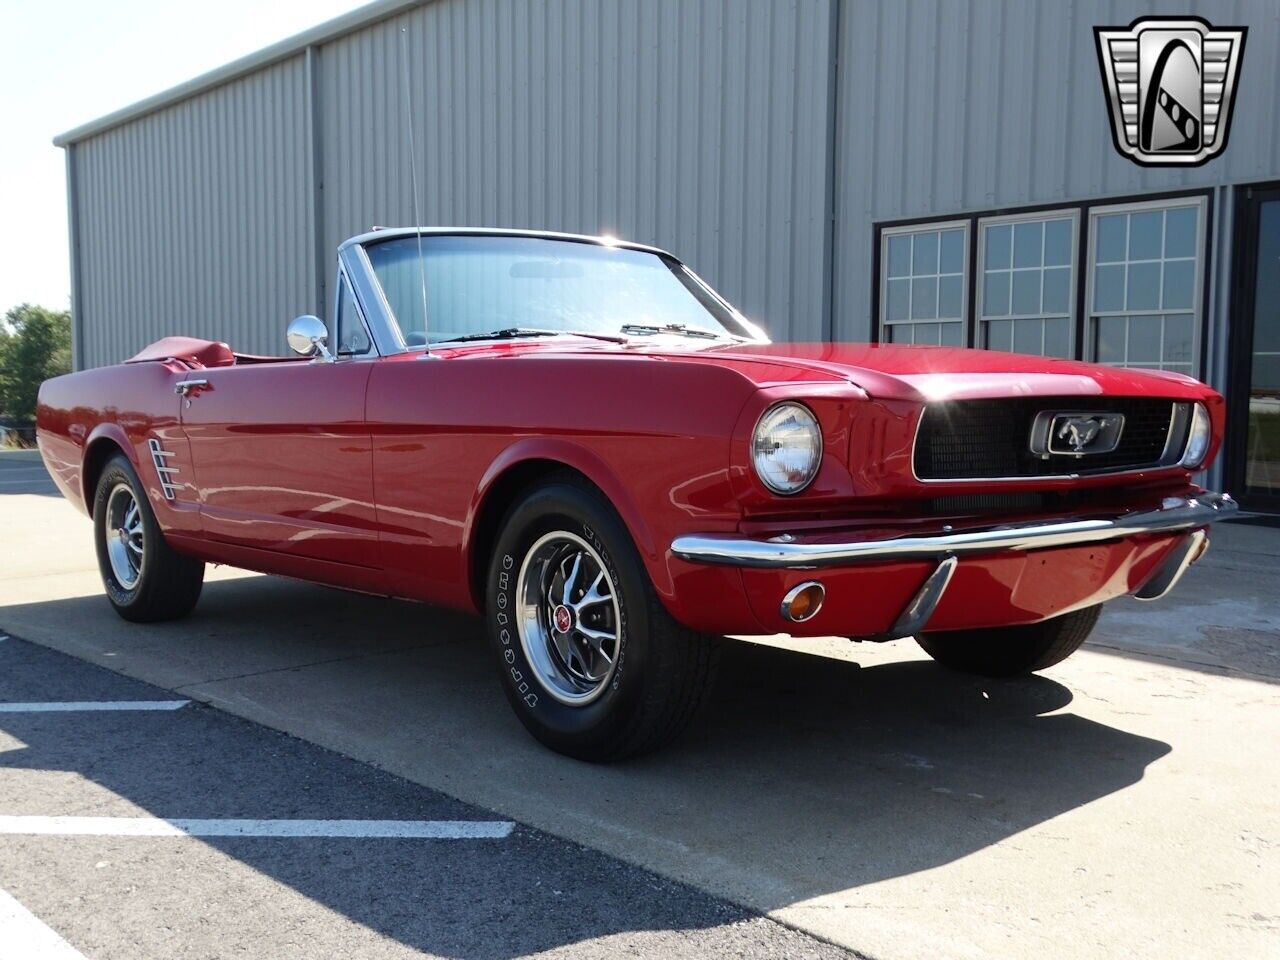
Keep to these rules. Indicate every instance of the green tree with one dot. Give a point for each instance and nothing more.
(35, 344)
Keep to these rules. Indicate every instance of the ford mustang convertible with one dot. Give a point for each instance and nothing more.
(579, 439)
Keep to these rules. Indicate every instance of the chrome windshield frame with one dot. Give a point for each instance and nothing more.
(384, 329)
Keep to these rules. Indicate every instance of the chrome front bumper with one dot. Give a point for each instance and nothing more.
(786, 552)
(1175, 515)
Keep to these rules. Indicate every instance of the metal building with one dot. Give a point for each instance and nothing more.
(792, 151)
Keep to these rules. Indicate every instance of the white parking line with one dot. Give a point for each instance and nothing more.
(157, 827)
(82, 706)
(23, 936)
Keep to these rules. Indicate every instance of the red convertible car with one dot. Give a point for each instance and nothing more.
(580, 439)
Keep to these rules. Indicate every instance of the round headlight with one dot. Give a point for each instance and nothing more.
(786, 447)
(1197, 438)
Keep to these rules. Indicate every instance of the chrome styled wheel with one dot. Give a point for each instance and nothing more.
(567, 617)
(125, 538)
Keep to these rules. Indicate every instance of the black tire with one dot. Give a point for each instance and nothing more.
(1012, 651)
(167, 583)
(662, 671)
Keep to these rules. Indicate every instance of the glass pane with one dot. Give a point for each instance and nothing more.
(998, 240)
(1146, 230)
(952, 258)
(479, 284)
(1057, 337)
(894, 334)
(1108, 288)
(1178, 338)
(949, 296)
(1026, 291)
(926, 334)
(1057, 290)
(1144, 287)
(924, 298)
(1000, 335)
(1027, 240)
(1179, 284)
(1110, 241)
(925, 258)
(995, 295)
(951, 334)
(1144, 339)
(899, 256)
(897, 303)
(1057, 243)
(1026, 336)
(1110, 344)
(1180, 232)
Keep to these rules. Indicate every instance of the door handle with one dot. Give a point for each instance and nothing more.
(184, 387)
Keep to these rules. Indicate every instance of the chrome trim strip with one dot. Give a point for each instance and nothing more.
(1175, 513)
(158, 454)
(1166, 578)
(369, 298)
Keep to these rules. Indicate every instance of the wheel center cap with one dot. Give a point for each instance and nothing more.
(562, 617)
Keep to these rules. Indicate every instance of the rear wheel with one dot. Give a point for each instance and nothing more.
(1012, 651)
(145, 579)
(590, 660)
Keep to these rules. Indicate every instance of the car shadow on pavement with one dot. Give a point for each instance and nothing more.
(804, 776)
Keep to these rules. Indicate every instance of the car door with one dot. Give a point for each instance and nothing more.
(282, 458)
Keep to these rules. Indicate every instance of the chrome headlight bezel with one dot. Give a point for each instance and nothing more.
(1199, 438)
(769, 420)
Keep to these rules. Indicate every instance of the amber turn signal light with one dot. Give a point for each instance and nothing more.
(803, 601)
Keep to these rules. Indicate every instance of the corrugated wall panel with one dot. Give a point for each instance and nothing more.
(951, 108)
(696, 126)
(196, 220)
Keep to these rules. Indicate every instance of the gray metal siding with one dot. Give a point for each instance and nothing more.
(949, 108)
(196, 220)
(699, 127)
(710, 127)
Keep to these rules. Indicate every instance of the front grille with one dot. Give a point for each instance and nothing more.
(985, 439)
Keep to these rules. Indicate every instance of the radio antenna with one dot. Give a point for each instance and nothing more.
(413, 178)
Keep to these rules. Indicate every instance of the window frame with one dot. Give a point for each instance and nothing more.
(1073, 213)
(1199, 291)
(1166, 198)
(343, 281)
(882, 277)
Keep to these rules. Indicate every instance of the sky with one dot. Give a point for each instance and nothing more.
(64, 62)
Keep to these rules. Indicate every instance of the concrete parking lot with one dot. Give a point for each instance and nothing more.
(1123, 804)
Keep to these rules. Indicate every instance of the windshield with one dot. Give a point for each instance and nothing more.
(481, 284)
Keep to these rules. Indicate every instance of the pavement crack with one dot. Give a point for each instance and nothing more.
(313, 663)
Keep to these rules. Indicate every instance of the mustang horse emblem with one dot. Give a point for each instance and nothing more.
(1080, 432)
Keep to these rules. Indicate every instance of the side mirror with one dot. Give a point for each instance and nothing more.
(308, 336)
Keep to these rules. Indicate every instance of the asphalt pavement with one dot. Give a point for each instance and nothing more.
(1122, 804)
(128, 831)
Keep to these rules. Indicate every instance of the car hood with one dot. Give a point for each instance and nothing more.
(884, 371)
(952, 373)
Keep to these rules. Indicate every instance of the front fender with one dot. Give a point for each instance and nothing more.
(590, 465)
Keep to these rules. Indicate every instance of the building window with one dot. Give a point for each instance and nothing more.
(923, 284)
(1145, 267)
(1026, 288)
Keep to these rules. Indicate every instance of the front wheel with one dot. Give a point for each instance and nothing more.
(1012, 651)
(590, 660)
(146, 579)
